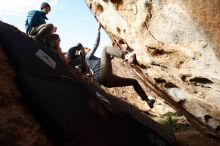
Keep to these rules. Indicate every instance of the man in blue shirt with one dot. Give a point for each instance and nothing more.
(36, 26)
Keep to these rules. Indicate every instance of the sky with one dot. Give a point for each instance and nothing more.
(73, 19)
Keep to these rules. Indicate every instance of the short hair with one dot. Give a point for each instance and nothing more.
(76, 51)
(44, 4)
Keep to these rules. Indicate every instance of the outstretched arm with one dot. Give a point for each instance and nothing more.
(92, 52)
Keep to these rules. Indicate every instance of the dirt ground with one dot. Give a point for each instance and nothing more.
(194, 138)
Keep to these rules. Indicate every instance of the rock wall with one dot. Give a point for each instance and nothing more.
(178, 42)
(17, 125)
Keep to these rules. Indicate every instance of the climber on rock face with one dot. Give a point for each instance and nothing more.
(37, 27)
(102, 69)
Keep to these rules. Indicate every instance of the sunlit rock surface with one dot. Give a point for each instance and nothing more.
(178, 42)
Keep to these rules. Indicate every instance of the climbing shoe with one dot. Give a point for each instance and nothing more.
(150, 103)
(131, 58)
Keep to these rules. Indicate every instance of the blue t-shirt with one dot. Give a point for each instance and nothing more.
(34, 19)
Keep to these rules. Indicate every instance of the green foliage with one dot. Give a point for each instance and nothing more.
(171, 120)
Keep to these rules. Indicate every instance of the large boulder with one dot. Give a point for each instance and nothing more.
(17, 125)
(178, 43)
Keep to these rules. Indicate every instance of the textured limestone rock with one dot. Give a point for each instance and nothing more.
(178, 43)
